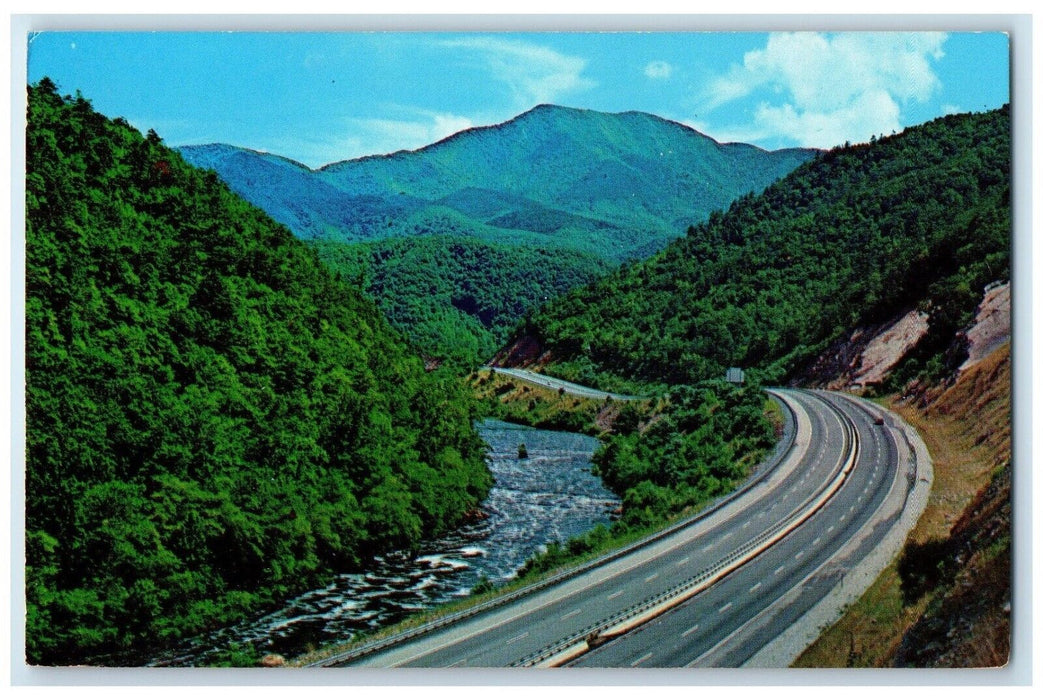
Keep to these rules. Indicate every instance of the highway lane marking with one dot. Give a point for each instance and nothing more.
(575, 612)
(799, 554)
(523, 635)
(690, 630)
(755, 586)
(616, 594)
(458, 663)
(708, 547)
(726, 606)
(646, 657)
(653, 577)
(816, 541)
(830, 529)
(682, 562)
(778, 570)
(745, 524)
(586, 583)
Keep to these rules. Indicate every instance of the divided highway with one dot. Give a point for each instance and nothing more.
(748, 582)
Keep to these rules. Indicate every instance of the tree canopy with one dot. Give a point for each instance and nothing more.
(854, 236)
(214, 419)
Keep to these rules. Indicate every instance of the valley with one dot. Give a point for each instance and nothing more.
(247, 378)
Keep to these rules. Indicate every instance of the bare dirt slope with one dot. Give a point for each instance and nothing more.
(946, 601)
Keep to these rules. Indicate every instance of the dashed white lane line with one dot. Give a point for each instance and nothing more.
(830, 529)
(646, 657)
(726, 606)
(799, 554)
(653, 577)
(816, 541)
(688, 631)
(778, 570)
(523, 635)
(616, 594)
(755, 586)
(575, 612)
(682, 562)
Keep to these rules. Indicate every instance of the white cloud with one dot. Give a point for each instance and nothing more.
(376, 136)
(869, 113)
(826, 89)
(658, 70)
(948, 109)
(533, 74)
(367, 137)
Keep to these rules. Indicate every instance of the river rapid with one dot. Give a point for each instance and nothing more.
(549, 495)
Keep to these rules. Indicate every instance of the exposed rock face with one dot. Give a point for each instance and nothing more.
(991, 327)
(887, 349)
(869, 354)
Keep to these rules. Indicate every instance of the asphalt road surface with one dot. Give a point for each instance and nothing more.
(823, 499)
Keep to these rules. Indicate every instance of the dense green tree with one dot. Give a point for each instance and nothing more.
(854, 236)
(457, 298)
(214, 419)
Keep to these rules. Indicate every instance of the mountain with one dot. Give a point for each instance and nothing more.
(616, 185)
(458, 299)
(214, 421)
(524, 209)
(859, 236)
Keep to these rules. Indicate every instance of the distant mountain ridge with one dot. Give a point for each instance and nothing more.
(618, 185)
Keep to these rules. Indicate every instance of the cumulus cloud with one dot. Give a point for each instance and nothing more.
(824, 89)
(533, 74)
(658, 70)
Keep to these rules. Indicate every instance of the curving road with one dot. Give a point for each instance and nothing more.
(556, 384)
(748, 582)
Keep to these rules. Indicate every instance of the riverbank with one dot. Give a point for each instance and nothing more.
(549, 495)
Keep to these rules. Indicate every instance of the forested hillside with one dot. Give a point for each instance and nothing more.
(852, 237)
(617, 186)
(457, 299)
(214, 419)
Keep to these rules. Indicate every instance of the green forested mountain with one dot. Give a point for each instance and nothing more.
(861, 232)
(618, 186)
(457, 299)
(463, 236)
(214, 419)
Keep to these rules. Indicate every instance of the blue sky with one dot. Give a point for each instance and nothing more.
(323, 97)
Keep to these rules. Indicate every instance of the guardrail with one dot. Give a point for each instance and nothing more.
(576, 644)
(783, 449)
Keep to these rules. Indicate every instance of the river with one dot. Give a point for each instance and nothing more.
(549, 495)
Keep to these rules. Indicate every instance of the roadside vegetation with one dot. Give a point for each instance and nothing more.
(666, 458)
(945, 601)
(650, 433)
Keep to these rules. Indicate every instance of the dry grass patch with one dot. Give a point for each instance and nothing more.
(966, 428)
